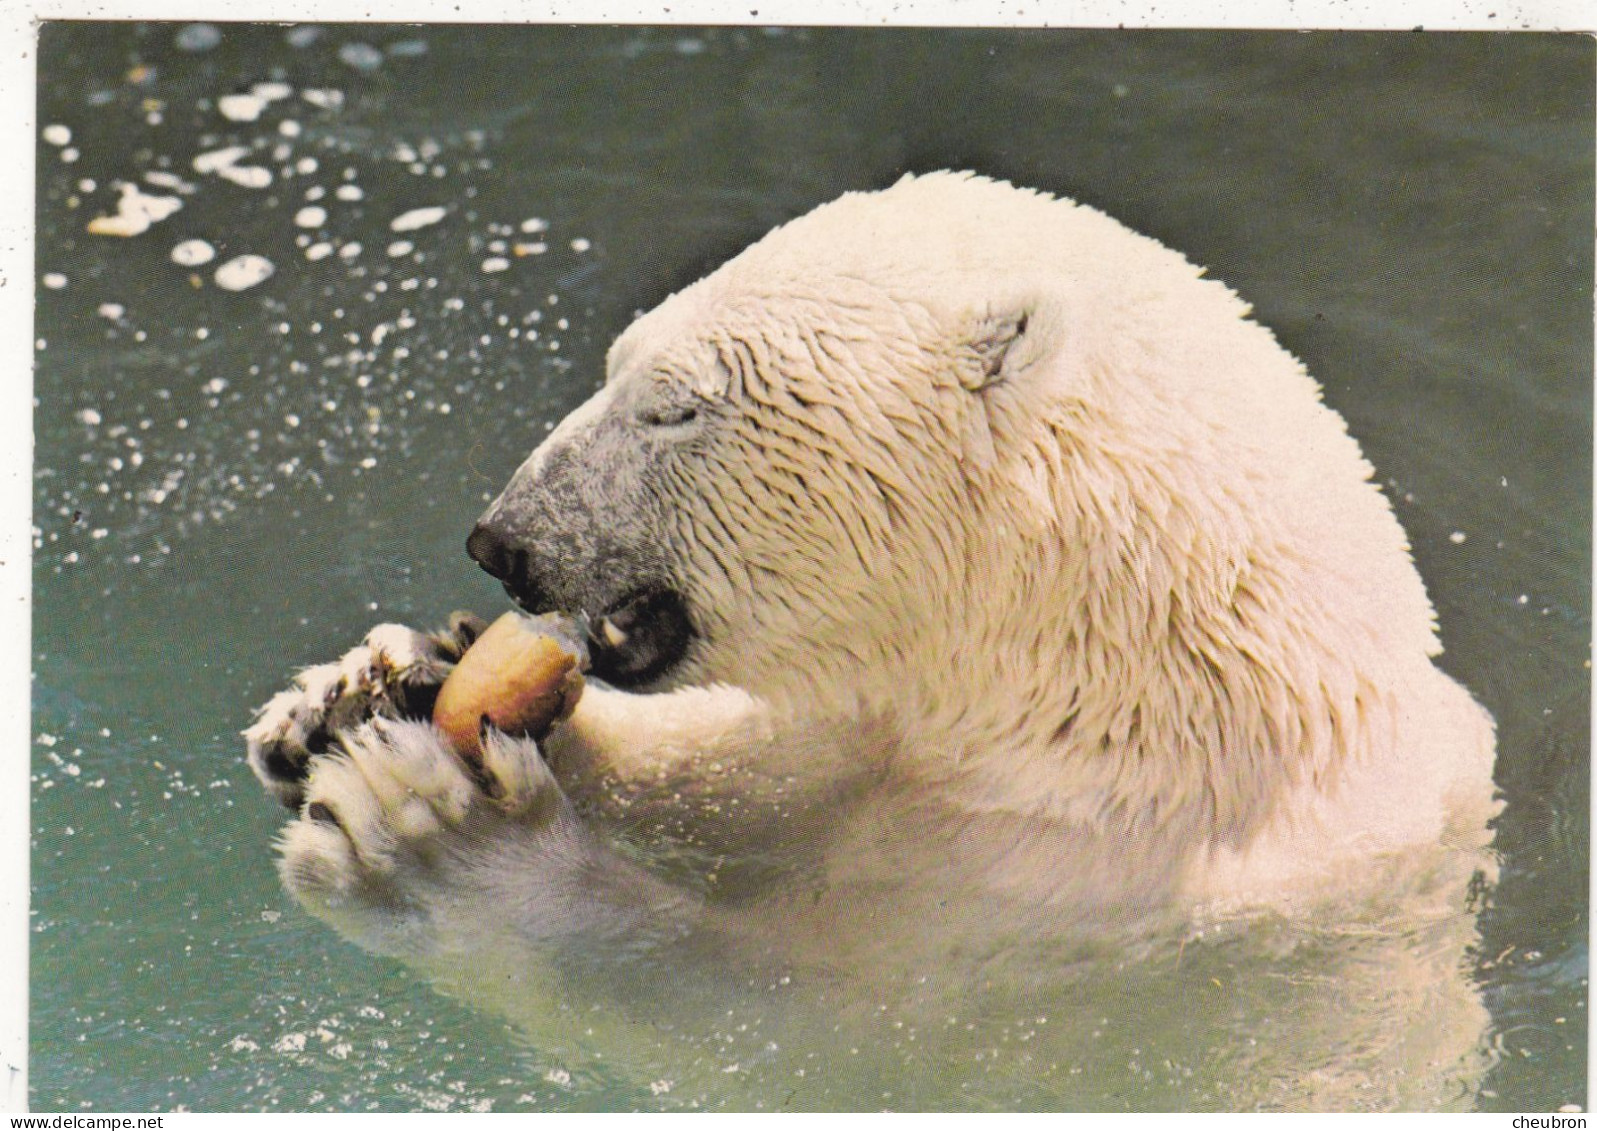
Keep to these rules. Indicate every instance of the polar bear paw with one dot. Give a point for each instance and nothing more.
(392, 817)
(394, 673)
(396, 836)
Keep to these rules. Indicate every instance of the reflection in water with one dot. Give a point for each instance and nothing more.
(233, 480)
(1367, 1011)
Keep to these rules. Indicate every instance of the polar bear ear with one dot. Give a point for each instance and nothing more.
(991, 343)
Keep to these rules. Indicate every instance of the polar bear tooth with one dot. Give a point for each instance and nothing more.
(613, 635)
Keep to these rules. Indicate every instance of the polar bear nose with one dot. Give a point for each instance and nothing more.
(495, 549)
(489, 547)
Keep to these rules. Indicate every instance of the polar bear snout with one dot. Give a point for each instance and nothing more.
(509, 555)
(492, 547)
(639, 625)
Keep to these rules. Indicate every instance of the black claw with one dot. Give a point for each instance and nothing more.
(477, 765)
(464, 628)
(281, 766)
(416, 701)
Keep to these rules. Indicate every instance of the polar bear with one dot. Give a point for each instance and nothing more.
(952, 556)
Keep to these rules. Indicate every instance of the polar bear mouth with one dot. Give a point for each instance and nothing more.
(639, 638)
(632, 640)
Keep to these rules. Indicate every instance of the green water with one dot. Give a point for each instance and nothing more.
(224, 491)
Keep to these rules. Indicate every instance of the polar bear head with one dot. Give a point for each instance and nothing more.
(769, 474)
(987, 460)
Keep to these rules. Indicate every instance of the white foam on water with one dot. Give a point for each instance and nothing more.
(224, 163)
(135, 212)
(192, 253)
(240, 107)
(417, 218)
(361, 56)
(244, 272)
(212, 160)
(198, 37)
(169, 181)
(246, 176)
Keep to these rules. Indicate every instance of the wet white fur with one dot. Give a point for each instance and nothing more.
(1146, 522)
(1129, 590)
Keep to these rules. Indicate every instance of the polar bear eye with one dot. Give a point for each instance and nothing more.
(668, 415)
